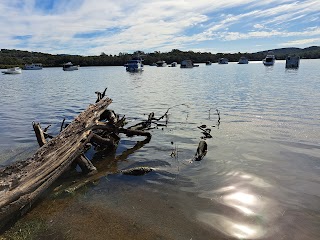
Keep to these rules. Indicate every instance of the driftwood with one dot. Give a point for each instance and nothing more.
(137, 171)
(201, 151)
(83, 162)
(23, 182)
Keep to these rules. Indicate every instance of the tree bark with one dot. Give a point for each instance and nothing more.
(23, 182)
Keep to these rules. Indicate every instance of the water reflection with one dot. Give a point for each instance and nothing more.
(231, 227)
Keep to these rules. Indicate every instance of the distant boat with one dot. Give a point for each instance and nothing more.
(173, 64)
(223, 61)
(208, 63)
(153, 64)
(70, 67)
(161, 63)
(14, 70)
(269, 59)
(292, 61)
(186, 64)
(134, 65)
(243, 60)
(33, 66)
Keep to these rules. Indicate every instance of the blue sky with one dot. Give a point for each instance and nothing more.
(89, 27)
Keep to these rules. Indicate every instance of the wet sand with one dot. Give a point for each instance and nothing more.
(120, 210)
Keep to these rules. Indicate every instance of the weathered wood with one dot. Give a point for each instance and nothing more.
(201, 151)
(39, 134)
(84, 163)
(23, 182)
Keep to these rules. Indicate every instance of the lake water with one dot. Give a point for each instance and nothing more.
(259, 180)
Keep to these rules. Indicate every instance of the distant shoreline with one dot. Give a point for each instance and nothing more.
(12, 58)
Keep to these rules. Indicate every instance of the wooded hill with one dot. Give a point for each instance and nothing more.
(14, 57)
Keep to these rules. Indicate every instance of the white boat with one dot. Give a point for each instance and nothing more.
(208, 63)
(33, 66)
(292, 61)
(186, 64)
(243, 60)
(161, 63)
(223, 61)
(15, 70)
(173, 64)
(269, 59)
(134, 65)
(70, 67)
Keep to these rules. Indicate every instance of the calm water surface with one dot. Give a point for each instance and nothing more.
(259, 179)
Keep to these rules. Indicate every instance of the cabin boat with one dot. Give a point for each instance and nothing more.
(14, 70)
(223, 61)
(161, 63)
(292, 61)
(134, 65)
(243, 60)
(33, 66)
(186, 64)
(208, 63)
(269, 59)
(173, 64)
(70, 67)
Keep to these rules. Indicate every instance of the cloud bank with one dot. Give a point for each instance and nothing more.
(89, 27)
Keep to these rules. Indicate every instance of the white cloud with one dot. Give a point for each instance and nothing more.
(301, 42)
(145, 24)
(259, 26)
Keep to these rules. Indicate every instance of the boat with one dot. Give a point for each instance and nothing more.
(70, 67)
(186, 64)
(173, 64)
(161, 63)
(269, 59)
(208, 63)
(134, 65)
(243, 60)
(33, 66)
(14, 70)
(153, 64)
(292, 61)
(223, 61)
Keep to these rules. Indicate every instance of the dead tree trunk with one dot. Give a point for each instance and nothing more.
(23, 182)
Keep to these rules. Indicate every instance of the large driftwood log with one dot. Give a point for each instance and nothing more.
(23, 182)
(84, 163)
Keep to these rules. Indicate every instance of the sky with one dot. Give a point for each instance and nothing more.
(90, 27)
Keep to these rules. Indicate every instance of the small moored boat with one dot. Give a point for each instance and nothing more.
(292, 61)
(186, 64)
(223, 61)
(134, 65)
(161, 63)
(243, 60)
(208, 63)
(173, 64)
(70, 67)
(14, 70)
(269, 59)
(33, 66)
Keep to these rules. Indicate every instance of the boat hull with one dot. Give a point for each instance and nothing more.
(33, 66)
(134, 69)
(71, 68)
(268, 63)
(292, 62)
(16, 70)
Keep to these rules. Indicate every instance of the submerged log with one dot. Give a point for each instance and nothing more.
(137, 171)
(23, 182)
(201, 151)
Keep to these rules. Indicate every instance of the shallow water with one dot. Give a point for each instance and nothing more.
(259, 179)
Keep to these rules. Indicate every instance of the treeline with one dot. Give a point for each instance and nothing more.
(10, 58)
